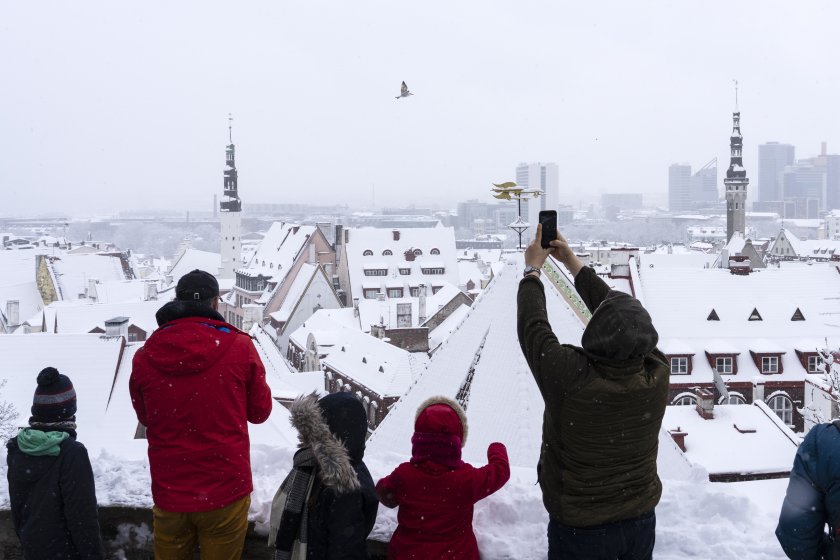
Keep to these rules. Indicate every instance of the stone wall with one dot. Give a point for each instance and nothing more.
(127, 536)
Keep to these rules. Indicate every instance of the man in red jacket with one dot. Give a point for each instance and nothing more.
(195, 385)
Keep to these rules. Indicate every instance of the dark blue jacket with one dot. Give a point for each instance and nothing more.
(813, 495)
(54, 503)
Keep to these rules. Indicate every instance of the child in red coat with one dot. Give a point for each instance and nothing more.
(436, 490)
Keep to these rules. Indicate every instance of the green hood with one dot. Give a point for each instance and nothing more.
(38, 443)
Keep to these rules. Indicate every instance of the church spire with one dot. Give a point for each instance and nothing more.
(230, 210)
(736, 180)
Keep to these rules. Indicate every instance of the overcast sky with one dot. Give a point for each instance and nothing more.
(107, 107)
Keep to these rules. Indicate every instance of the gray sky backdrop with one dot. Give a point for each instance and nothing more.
(110, 105)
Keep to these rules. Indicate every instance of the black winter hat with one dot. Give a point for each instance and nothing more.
(346, 417)
(55, 397)
(197, 285)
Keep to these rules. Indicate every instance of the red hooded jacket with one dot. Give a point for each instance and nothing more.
(195, 385)
(436, 500)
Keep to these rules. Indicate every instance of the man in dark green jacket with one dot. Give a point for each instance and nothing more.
(604, 404)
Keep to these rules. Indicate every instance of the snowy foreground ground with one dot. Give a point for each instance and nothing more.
(695, 519)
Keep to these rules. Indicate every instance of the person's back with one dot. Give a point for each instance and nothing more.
(51, 487)
(195, 385)
(604, 403)
(330, 503)
(813, 497)
(436, 491)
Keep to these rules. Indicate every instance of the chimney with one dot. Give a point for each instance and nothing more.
(396, 234)
(150, 292)
(118, 326)
(91, 289)
(679, 438)
(378, 331)
(705, 403)
(421, 305)
(346, 236)
(13, 312)
(355, 307)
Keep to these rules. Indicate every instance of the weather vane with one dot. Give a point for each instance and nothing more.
(512, 191)
(230, 127)
(736, 94)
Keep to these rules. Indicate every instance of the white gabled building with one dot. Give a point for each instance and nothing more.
(395, 262)
(787, 246)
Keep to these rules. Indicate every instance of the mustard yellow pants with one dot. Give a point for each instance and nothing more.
(219, 534)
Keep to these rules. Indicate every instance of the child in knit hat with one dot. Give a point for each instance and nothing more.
(53, 500)
(436, 490)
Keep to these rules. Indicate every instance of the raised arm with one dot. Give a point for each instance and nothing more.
(495, 474)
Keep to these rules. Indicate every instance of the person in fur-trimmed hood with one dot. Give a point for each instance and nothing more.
(326, 507)
(436, 490)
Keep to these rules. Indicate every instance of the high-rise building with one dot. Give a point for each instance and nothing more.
(704, 190)
(772, 160)
(736, 182)
(679, 187)
(804, 188)
(542, 176)
(230, 210)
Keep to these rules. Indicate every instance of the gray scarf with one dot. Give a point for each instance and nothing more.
(289, 516)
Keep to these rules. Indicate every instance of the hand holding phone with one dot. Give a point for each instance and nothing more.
(548, 221)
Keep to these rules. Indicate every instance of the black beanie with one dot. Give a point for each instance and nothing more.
(55, 397)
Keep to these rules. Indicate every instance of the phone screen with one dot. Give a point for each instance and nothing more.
(548, 219)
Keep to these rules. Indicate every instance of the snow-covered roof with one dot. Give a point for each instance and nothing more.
(324, 320)
(740, 439)
(120, 290)
(193, 259)
(278, 250)
(374, 363)
(389, 253)
(74, 272)
(681, 299)
(296, 290)
(81, 316)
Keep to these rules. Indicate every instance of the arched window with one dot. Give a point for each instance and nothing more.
(734, 398)
(367, 253)
(387, 253)
(434, 251)
(417, 252)
(783, 407)
(684, 400)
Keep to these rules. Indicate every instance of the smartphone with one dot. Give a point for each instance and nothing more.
(548, 219)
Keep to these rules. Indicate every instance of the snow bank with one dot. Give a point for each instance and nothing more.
(695, 519)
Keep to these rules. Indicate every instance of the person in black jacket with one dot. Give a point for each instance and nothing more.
(331, 501)
(51, 490)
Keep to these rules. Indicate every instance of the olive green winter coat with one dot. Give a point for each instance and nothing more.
(604, 404)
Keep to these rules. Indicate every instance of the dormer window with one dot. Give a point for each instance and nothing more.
(811, 361)
(431, 270)
(367, 253)
(405, 271)
(680, 364)
(418, 252)
(387, 253)
(723, 363)
(434, 251)
(768, 363)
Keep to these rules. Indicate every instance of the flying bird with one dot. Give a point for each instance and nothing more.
(404, 91)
